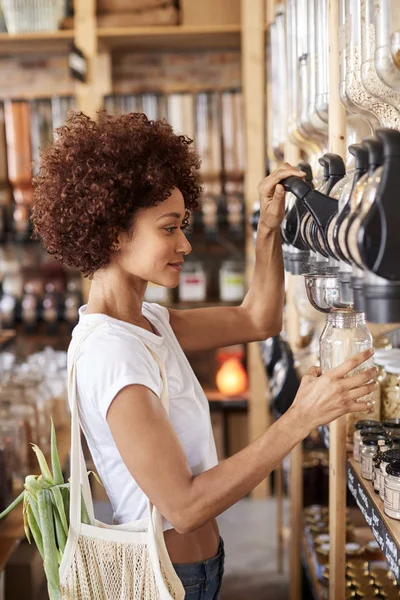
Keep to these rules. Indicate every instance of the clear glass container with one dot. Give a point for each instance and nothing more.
(371, 81)
(193, 282)
(357, 435)
(368, 198)
(387, 52)
(368, 451)
(382, 113)
(383, 446)
(317, 115)
(387, 457)
(355, 200)
(341, 191)
(322, 97)
(276, 73)
(391, 393)
(232, 281)
(345, 334)
(355, 111)
(208, 133)
(392, 490)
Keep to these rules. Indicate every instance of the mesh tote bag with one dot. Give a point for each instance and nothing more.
(112, 562)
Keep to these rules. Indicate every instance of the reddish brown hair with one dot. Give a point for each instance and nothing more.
(96, 175)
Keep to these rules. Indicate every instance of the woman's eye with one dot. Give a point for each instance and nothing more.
(170, 229)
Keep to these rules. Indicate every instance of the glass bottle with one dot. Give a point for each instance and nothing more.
(387, 53)
(368, 451)
(383, 446)
(357, 435)
(371, 81)
(392, 490)
(345, 334)
(193, 282)
(232, 281)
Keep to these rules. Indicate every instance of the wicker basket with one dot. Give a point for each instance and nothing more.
(23, 16)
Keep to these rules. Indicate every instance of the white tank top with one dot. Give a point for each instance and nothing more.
(115, 356)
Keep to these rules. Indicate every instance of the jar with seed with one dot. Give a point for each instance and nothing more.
(369, 76)
(392, 490)
(387, 52)
(386, 459)
(357, 435)
(383, 446)
(390, 398)
(368, 451)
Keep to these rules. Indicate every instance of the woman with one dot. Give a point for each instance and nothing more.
(112, 199)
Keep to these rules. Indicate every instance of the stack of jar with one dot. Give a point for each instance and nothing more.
(30, 393)
(365, 578)
(377, 448)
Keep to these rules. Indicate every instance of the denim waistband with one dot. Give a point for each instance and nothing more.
(205, 569)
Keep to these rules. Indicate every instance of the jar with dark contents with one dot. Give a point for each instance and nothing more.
(386, 459)
(392, 426)
(380, 434)
(383, 446)
(357, 434)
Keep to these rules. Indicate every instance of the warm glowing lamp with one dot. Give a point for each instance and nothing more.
(231, 378)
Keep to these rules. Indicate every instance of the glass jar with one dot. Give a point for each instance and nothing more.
(276, 74)
(383, 446)
(232, 281)
(345, 334)
(380, 113)
(392, 490)
(356, 112)
(391, 395)
(193, 282)
(387, 457)
(371, 81)
(357, 435)
(387, 53)
(317, 115)
(368, 451)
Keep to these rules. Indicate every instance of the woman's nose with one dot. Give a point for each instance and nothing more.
(184, 244)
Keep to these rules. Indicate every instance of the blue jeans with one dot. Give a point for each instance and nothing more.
(202, 580)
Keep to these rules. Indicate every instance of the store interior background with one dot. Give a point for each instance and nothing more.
(237, 76)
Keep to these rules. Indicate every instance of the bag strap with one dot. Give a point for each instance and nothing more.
(79, 481)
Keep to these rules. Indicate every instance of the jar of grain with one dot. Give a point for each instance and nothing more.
(390, 399)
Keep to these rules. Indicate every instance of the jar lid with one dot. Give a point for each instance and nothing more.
(393, 368)
(367, 423)
(394, 468)
(353, 549)
(391, 423)
(391, 455)
(370, 441)
(373, 436)
(322, 538)
(372, 431)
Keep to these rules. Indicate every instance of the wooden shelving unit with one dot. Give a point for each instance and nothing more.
(177, 37)
(309, 568)
(36, 42)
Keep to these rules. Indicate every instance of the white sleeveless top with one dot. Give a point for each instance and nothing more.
(111, 358)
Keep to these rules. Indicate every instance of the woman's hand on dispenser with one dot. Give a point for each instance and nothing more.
(272, 195)
(323, 398)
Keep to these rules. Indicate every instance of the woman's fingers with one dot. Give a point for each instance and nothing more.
(313, 372)
(354, 381)
(350, 364)
(267, 186)
(359, 392)
(359, 407)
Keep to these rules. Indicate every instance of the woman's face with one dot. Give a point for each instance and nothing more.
(156, 248)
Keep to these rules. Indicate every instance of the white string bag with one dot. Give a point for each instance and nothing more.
(112, 562)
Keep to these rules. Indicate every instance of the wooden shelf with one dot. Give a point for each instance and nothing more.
(35, 42)
(11, 527)
(385, 529)
(176, 37)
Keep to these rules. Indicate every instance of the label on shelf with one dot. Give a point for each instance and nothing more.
(378, 527)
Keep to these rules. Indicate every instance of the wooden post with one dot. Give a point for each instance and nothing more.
(253, 85)
(296, 521)
(337, 450)
(90, 94)
(279, 518)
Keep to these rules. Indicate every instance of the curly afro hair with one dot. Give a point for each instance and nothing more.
(97, 175)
